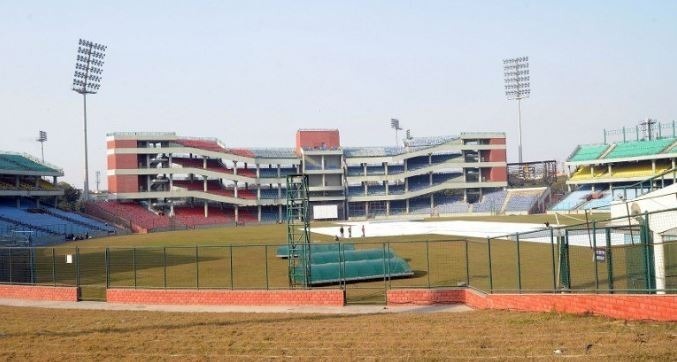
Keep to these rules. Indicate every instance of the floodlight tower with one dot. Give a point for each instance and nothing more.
(42, 137)
(516, 72)
(395, 124)
(87, 80)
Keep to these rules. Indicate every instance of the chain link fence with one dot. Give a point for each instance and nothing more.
(612, 256)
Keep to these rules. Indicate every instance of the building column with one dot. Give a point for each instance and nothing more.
(406, 206)
(258, 171)
(387, 208)
(279, 212)
(366, 209)
(237, 216)
(206, 207)
(234, 167)
(259, 211)
(235, 189)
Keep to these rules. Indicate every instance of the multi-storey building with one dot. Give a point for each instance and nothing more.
(169, 173)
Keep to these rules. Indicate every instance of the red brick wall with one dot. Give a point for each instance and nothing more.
(34, 292)
(623, 306)
(317, 297)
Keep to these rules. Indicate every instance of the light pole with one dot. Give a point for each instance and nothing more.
(42, 137)
(395, 124)
(516, 72)
(87, 80)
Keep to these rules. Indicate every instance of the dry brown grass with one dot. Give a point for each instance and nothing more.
(44, 334)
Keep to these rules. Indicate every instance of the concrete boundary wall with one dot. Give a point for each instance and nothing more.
(311, 297)
(622, 306)
(38, 292)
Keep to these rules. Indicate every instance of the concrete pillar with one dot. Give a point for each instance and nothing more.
(237, 216)
(258, 170)
(206, 207)
(366, 209)
(385, 166)
(387, 208)
(406, 206)
(235, 189)
(259, 213)
(234, 167)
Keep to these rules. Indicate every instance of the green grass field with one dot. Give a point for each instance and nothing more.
(244, 258)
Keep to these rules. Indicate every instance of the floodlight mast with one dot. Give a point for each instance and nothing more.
(42, 137)
(395, 124)
(517, 87)
(87, 80)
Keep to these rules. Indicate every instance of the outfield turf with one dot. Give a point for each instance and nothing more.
(47, 334)
(244, 258)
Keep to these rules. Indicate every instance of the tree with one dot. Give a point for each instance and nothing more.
(71, 197)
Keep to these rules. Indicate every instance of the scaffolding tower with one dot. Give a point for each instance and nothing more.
(298, 231)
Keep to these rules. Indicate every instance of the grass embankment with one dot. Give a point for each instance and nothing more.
(45, 334)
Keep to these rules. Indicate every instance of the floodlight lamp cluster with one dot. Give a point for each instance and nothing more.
(395, 124)
(516, 72)
(88, 67)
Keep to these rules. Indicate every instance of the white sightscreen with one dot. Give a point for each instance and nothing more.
(325, 212)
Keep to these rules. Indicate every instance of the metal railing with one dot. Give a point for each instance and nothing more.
(612, 256)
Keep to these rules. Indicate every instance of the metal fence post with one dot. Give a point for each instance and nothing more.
(427, 261)
(491, 281)
(265, 257)
(134, 265)
(164, 267)
(390, 280)
(107, 261)
(552, 258)
(77, 266)
(467, 265)
(231, 267)
(385, 280)
(197, 267)
(519, 267)
(609, 261)
(9, 254)
(594, 254)
(53, 267)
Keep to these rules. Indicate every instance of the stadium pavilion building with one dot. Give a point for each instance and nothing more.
(628, 163)
(203, 178)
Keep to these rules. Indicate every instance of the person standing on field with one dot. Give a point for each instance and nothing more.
(341, 231)
(350, 231)
(362, 230)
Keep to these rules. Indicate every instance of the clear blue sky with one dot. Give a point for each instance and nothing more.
(251, 73)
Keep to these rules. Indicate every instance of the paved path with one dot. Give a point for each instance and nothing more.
(350, 309)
